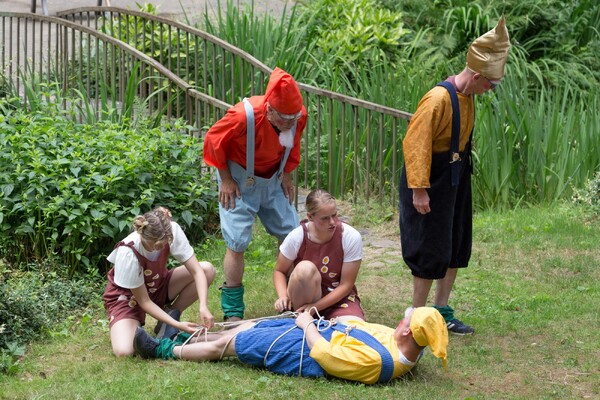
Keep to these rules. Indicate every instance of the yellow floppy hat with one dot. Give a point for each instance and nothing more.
(488, 53)
(429, 329)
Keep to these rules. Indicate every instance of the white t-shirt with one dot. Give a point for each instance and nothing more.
(127, 266)
(351, 243)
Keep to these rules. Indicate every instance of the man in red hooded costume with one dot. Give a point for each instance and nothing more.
(255, 147)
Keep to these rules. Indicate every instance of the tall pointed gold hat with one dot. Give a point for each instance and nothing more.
(488, 53)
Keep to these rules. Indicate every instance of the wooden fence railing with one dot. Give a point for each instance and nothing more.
(351, 147)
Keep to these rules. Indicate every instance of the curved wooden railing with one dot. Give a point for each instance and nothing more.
(350, 146)
(49, 49)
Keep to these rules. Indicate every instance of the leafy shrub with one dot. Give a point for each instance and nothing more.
(10, 357)
(589, 196)
(33, 302)
(356, 33)
(173, 48)
(72, 189)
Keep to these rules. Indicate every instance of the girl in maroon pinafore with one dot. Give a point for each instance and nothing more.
(139, 282)
(318, 263)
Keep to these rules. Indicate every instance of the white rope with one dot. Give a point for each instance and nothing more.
(227, 325)
(224, 325)
(288, 314)
(327, 326)
(196, 332)
(273, 344)
(226, 345)
(321, 319)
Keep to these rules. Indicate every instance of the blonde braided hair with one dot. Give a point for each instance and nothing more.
(154, 226)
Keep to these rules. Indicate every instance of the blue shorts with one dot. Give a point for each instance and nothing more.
(264, 198)
(283, 357)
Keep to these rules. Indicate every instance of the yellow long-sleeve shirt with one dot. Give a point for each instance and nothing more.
(430, 131)
(348, 358)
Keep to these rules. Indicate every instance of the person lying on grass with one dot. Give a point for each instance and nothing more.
(139, 282)
(345, 348)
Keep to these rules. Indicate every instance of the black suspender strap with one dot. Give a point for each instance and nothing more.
(454, 141)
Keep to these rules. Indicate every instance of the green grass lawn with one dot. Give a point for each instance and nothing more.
(532, 293)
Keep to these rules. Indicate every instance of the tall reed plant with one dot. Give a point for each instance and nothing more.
(534, 146)
(276, 41)
(535, 140)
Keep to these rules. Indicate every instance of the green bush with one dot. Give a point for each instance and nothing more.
(560, 38)
(10, 357)
(72, 189)
(357, 33)
(589, 196)
(33, 303)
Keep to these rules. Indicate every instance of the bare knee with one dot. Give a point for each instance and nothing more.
(305, 271)
(209, 271)
(122, 334)
(304, 285)
(304, 276)
(122, 350)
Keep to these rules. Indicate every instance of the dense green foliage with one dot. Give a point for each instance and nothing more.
(69, 190)
(556, 42)
(589, 195)
(34, 304)
(558, 38)
(534, 146)
(536, 136)
(72, 189)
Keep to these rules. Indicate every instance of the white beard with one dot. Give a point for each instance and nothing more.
(286, 139)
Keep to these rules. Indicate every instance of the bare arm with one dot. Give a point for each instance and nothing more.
(141, 295)
(288, 186)
(305, 322)
(195, 269)
(280, 274)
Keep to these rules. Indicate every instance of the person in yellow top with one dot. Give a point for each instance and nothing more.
(346, 347)
(435, 184)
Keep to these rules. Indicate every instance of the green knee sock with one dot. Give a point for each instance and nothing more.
(165, 347)
(181, 338)
(232, 301)
(446, 311)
